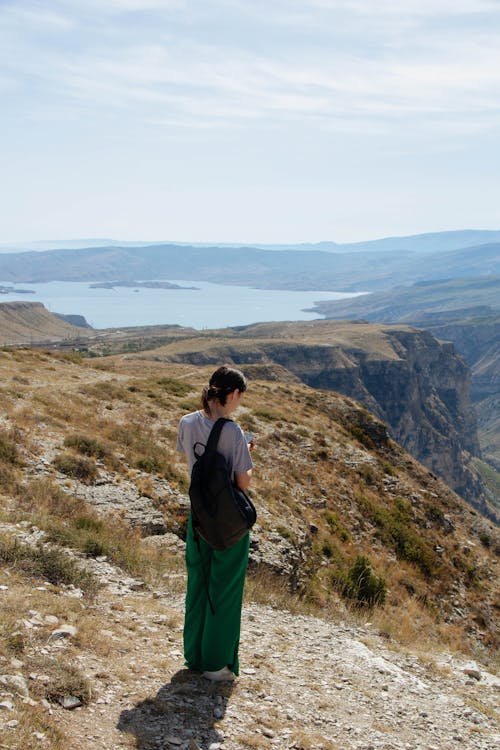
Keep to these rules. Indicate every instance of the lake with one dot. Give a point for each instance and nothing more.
(208, 306)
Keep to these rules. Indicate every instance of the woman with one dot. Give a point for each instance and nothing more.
(216, 578)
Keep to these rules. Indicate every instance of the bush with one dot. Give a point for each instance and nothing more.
(395, 528)
(269, 415)
(47, 564)
(83, 469)
(87, 446)
(175, 387)
(65, 679)
(361, 584)
(8, 449)
(41, 496)
(336, 526)
(358, 432)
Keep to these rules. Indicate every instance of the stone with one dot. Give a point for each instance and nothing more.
(65, 631)
(70, 702)
(6, 706)
(17, 683)
(474, 673)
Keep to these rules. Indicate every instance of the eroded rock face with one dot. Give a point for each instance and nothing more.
(422, 394)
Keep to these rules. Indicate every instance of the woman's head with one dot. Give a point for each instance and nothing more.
(224, 381)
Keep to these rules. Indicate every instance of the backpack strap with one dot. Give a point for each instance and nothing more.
(213, 438)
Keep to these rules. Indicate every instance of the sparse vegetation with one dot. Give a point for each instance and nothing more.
(305, 478)
(46, 564)
(336, 526)
(88, 446)
(361, 584)
(76, 467)
(396, 528)
(63, 679)
(175, 387)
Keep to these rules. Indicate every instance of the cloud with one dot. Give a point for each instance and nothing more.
(341, 78)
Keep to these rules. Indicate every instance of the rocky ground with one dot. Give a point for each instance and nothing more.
(305, 683)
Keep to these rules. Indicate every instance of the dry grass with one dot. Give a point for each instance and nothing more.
(122, 416)
(35, 730)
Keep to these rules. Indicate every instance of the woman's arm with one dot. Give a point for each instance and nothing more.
(243, 479)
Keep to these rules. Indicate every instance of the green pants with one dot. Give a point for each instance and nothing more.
(211, 639)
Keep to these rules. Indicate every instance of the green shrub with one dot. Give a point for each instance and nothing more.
(269, 415)
(175, 387)
(388, 469)
(88, 523)
(360, 435)
(485, 539)
(76, 467)
(149, 464)
(65, 679)
(47, 564)
(327, 549)
(396, 528)
(190, 404)
(361, 584)
(368, 473)
(8, 449)
(87, 446)
(337, 527)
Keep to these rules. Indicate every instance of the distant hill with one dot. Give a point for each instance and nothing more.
(420, 243)
(30, 322)
(423, 243)
(411, 302)
(283, 269)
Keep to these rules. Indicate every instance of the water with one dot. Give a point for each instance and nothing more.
(209, 306)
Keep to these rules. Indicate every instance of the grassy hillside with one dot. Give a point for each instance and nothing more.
(92, 515)
(76, 436)
(29, 322)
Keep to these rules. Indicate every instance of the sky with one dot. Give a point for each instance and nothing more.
(248, 120)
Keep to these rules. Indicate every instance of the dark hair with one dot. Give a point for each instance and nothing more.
(224, 381)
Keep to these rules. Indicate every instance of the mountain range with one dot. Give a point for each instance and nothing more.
(348, 271)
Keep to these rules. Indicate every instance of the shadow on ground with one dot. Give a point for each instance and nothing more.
(186, 708)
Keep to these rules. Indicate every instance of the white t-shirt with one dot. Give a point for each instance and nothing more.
(196, 427)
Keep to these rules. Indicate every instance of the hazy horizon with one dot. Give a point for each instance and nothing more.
(41, 245)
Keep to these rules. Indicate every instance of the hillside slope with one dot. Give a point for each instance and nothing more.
(29, 322)
(87, 450)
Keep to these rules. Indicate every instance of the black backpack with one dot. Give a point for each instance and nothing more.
(221, 512)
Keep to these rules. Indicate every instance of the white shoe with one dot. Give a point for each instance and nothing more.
(221, 675)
